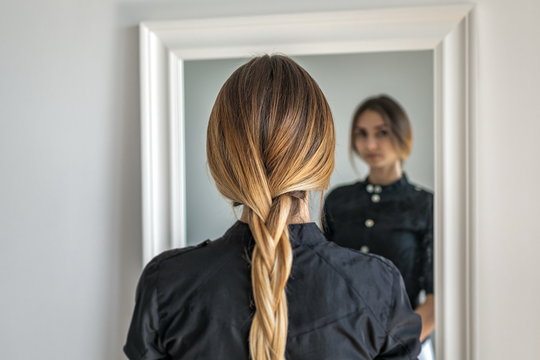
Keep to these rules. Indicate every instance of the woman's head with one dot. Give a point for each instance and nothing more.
(270, 140)
(381, 132)
(270, 133)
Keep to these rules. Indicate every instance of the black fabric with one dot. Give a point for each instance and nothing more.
(401, 227)
(196, 303)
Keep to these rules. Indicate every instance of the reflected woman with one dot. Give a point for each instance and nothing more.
(385, 214)
(272, 287)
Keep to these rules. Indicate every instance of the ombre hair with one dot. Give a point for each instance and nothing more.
(394, 117)
(270, 141)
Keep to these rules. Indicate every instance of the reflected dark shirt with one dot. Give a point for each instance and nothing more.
(394, 221)
(196, 302)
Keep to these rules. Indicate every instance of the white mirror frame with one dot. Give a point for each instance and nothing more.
(166, 45)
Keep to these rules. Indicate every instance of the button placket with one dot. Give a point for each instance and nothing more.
(374, 190)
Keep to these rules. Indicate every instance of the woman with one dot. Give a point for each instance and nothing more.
(271, 287)
(385, 214)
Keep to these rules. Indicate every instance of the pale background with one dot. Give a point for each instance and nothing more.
(70, 204)
(346, 80)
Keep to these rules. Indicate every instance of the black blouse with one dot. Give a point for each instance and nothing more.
(196, 302)
(394, 221)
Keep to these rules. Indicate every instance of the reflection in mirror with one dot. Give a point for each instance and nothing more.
(379, 215)
(386, 214)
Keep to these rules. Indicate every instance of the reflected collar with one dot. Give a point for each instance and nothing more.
(374, 188)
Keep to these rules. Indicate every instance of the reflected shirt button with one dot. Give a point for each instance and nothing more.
(369, 223)
(364, 249)
(369, 188)
(377, 189)
(375, 198)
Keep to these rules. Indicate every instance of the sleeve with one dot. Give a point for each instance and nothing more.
(403, 325)
(143, 339)
(427, 252)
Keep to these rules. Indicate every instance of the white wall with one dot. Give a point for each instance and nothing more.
(508, 173)
(70, 182)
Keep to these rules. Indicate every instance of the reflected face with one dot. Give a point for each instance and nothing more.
(373, 140)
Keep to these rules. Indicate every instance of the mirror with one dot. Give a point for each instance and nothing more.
(444, 30)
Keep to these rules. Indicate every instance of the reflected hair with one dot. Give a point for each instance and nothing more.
(270, 141)
(394, 117)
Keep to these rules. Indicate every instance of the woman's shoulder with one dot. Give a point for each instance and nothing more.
(197, 257)
(419, 197)
(374, 283)
(420, 190)
(175, 256)
(186, 268)
(367, 274)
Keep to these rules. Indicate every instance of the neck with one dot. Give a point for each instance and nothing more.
(301, 217)
(385, 175)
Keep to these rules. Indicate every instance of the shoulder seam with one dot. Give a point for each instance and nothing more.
(420, 188)
(344, 278)
(166, 255)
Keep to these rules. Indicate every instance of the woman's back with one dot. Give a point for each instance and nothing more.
(268, 290)
(197, 303)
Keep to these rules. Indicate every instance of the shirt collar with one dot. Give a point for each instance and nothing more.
(299, 234)
(374, 188)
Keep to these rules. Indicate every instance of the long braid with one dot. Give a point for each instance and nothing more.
(270, 270)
